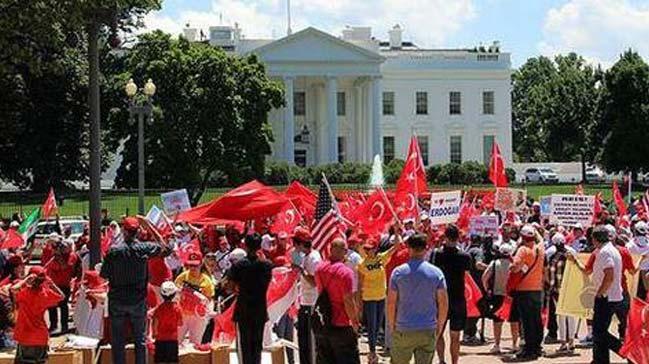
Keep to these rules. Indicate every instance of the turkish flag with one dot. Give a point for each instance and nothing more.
(375, 213)
(467, 210)
(636, 339)
(620, 206)
(579, 189)
(107, 241)
(505, 309)
(597, 207)
(349, 206)
(224, 329)
(497, 173)
(249, 201)
(411, 183)
(472, 294)
(12, 239)
(49, 206)
(286, 220)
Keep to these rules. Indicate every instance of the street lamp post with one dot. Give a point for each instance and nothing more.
(143, 110)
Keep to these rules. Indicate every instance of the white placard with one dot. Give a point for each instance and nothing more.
(175, 201)
(569, 210)
(510, 199)
(484, 226)
(445, 207)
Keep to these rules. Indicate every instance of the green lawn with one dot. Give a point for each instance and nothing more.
(119, 203)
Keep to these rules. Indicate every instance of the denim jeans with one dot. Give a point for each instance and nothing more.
(284, 330)
(119, 315)
(373, 311)
(603, 341)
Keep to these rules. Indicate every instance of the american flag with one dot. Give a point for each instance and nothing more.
(327, 223)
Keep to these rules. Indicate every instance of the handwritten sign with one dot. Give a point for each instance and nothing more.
(570, 210)
(510, 199)
(484, 226)
(175, 201)
(445, 207)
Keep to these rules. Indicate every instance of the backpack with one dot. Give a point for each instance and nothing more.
(321, 314)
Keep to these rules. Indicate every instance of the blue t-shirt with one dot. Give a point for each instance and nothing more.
(416, 283)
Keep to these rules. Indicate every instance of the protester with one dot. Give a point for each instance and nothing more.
(338, 343)
(286, 325)
(34, 295)
(252, 277)
(494, 279)
(308, 260)
(417, 306)
(62, 268)
(454, 263)
(477, 254)
(196, 295)
(125, 268)
(166, 319)
(639, 245)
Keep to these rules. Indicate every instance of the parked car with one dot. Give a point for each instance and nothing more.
(76, 224)
(541, 175)
(595, 175)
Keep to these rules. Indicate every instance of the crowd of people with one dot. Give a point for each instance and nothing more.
(401, 289)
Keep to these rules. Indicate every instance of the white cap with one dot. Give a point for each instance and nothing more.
(168, 288)
(578, 226)
(14, 224)
(612, 232)
(506, 249)
(409, 221)
(424, 216)
(266, 242)
(558, 239)
(527, 230)
(641, 227)
(54, 237)
(236, 255)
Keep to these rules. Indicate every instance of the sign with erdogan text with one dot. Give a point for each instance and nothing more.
(175, 201)
(445, 207)
(570, 210)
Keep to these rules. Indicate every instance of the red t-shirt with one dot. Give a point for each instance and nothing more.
(627, 264)
(159, 272)
(63, 272)
(168, 317)
(278, 251)
(31, 329)
(337, 279)
(151, 296)
(399, 257)
(47, 254)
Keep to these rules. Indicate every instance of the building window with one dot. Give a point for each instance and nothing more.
(341, 103)
(299, 103)
(456, 149)
(388, 103)
(421, 103)
(388, 149)
(455, 102)
(487, 145)
(422, 140)
(299, 157)
(488, 102)
(342, 149)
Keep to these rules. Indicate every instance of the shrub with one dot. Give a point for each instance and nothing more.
(392, 170)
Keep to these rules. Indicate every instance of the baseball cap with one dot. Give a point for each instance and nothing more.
(409, 221)
(14, 224)
(194, 258)
(506, 249)
(168, 288)
(558, 239)
(302, 234)
(370, 243)
(54, 236)
(527, 231)
(266, 241)
(92, 279)
(424, 216)
(130, 223)
(641, 227)
(236, 255)
(37, 270)
(578, 226)
(282, 235)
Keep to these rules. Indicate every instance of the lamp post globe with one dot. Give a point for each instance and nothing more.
(149, 88)
(130, 88)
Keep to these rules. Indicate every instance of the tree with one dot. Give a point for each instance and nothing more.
(625, 115)
(210, 117)
(555, 109)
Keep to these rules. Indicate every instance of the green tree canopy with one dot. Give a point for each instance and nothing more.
(210, 118)
(625, 115)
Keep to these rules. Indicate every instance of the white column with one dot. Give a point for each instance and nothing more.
(376, 100)
(358, 122)
(332, 119)
(289, 121)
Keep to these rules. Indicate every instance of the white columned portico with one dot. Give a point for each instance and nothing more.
(376, 100)
(332, 119)
(358, 120)
(289, 121)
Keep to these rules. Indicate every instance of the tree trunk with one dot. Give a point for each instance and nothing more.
(583, 169)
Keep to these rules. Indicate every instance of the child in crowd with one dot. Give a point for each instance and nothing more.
(33, 296)
(166, 319)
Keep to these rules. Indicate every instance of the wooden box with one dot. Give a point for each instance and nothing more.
(221, 355)
(195, 357)
(65, 357)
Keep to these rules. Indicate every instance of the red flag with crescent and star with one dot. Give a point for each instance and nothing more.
(286, 220)
(620, 205)
(411, 183)
(636, 339)
(497, 174)
(473, 296)
(375, 213)
(49, 206)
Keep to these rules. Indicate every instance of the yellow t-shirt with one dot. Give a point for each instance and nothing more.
(202, 283)
(372, 272)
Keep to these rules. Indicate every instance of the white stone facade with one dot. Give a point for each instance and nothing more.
(456, 101)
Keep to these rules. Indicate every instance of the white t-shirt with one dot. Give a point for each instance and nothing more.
(639, 245)
(308, 292)
(608, 257)
(352, 261)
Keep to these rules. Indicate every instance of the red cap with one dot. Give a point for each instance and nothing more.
(92, 279)
(37, 270)
(371, 243)
(194, 258)
(302, 234)
(130, 224)
(16, 260)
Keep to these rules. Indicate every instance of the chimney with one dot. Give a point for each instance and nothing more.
(395, 37)
(190, 33)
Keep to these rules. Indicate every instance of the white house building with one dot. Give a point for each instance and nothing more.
(349, 98)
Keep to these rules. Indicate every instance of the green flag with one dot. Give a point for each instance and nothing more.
(28, 227)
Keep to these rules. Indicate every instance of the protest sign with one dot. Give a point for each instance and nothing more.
(570, 210)
(445, 207)
(510, 199)
(484, 226)
(175, 201)
(546, 205)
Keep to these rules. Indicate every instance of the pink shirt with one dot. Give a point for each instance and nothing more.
(337, 279)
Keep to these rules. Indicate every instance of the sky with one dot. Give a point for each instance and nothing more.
(599, 30)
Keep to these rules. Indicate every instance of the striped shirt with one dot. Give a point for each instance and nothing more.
(125, 268)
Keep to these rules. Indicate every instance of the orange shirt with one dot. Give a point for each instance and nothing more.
(533, 281)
